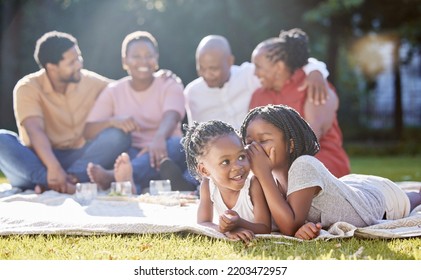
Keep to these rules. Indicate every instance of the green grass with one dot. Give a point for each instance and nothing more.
(184, 246)
(397, 168)
(195, 247)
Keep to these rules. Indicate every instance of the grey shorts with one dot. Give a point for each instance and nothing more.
(397, 202)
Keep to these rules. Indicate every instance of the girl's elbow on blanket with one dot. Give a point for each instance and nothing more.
(288, 230)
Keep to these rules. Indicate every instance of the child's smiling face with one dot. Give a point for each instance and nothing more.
(225, 162)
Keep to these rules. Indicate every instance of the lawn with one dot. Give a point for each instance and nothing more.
(397, 168)
(184, 246)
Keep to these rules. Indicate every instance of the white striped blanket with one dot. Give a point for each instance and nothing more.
(55, 213)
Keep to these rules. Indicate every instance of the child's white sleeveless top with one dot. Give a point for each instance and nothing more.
(243, 206)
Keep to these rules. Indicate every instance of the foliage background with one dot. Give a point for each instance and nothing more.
(332, 25)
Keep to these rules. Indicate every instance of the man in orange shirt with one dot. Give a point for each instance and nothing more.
(51, 107)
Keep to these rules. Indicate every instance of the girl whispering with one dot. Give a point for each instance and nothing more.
(299, 188)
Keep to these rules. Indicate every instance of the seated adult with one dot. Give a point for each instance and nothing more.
(223, 90)
(279, 63)
(51, 106)
(151, 108)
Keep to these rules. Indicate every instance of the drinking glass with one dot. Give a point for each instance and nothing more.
(86, 192)
(159, 186)
(121, 188)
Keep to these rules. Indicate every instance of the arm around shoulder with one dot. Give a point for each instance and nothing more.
(321, 117)
(316, 81)
(316, 65)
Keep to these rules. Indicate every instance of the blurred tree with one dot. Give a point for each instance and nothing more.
(402, 20)
(179, 25)
(9, 52)
(346, 19)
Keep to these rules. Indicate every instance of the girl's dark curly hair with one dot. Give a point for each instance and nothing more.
(290, 123)
(291, 47)
(197, 139)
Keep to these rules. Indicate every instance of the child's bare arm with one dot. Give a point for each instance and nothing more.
(262, 221)
(289, 214)
(262, 217)
(205, 209)
(228, 221)
(255, 227)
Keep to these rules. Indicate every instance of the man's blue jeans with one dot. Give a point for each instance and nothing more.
(23, 168)
(142, 170)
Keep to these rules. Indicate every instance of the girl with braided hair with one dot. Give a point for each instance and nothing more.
(281, 147)
(279, 64)
(216, 156)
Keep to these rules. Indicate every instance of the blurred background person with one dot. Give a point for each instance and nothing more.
(279, 63)
(148, 105)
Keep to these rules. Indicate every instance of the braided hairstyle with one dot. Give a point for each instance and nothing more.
(291, 47)
(198, 139)
(292, 125)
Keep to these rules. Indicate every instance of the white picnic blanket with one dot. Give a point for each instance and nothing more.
(55, 213)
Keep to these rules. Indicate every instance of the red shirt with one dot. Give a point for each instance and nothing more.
(331, 151)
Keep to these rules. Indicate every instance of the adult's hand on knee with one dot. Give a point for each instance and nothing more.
(157, 151)
(57, 179)
(70, 188)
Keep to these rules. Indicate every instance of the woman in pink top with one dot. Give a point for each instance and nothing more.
(279, 64)
(148, 105)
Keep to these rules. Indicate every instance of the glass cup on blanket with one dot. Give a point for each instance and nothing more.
(121, 188)
(86, 192)
(159, 186)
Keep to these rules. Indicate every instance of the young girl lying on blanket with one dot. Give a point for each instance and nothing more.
(298, 187)
(215, 153)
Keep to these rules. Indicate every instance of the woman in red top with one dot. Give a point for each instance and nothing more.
(278, 64)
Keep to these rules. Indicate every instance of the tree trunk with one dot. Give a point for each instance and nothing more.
(9, 69)
(332, 51)
(398, 114)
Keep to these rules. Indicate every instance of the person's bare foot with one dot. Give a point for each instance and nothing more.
(123, 170)
(100, 176)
